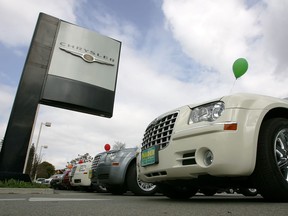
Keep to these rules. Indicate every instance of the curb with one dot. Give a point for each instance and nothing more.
(26, 191)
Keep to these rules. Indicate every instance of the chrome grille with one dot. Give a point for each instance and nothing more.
(73, 171)
(159, 131)
(96, 160)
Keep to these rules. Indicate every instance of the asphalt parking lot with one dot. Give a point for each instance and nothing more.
(66, 203)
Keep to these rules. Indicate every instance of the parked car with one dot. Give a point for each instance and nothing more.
(237, 141)
(56, 181)
(47, 181)
(65, 181)
(80, 176)
(40, 180)
(116, 171)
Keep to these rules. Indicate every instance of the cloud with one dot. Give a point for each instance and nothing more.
(215, 33)
(275, 20)
(212, 32)
(6, 99)
(19, 17)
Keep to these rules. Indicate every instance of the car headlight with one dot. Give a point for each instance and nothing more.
(208, 112)
(112, 156)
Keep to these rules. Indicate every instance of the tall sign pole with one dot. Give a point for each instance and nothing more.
(20, 125)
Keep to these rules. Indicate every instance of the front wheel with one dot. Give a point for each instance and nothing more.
(136, 186)
(271, 171)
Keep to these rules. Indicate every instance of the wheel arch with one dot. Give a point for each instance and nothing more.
(133, 160)
(276, 113)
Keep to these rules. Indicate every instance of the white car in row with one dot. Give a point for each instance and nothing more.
(237, 141)
(80, 176)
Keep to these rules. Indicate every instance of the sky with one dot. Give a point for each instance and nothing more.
(173, 53)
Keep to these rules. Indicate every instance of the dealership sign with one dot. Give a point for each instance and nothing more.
(83, 71)
(67, 66)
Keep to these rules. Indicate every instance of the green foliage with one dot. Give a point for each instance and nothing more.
(12, 183)
(45, 170)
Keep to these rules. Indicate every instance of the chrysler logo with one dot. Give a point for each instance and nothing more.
(88, 57)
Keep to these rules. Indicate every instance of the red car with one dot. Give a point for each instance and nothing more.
(65, 183)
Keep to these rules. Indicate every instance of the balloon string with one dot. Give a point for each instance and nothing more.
(232, 86)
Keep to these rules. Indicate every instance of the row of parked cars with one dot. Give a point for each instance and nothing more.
(236, 141)
(113, 172)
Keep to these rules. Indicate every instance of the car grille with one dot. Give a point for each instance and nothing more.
(73, 171)
(159, 132)
(189, 158)
(96, 161)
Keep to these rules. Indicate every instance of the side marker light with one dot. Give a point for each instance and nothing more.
(231, 126)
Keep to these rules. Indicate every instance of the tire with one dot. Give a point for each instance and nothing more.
(249, 192)
(271, 171)
(136, 186)
(177, 192)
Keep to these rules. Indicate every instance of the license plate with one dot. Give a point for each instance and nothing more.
(149, 156)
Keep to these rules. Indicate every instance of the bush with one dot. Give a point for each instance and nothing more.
(12, 183)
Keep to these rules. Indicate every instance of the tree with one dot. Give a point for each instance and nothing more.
(45, 170)
(33, 165)
(119, 145)
(36, 160)
(81, 158)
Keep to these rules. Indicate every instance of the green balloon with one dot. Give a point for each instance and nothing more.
(240, 67)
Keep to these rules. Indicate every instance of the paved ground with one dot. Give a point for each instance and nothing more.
(71, 203)
(26, 191)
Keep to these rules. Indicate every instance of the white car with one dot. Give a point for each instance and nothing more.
(40, 180)
(238, 141)
(48, 181)
(80, 176)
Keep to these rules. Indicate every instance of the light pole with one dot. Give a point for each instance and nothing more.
(47, 124)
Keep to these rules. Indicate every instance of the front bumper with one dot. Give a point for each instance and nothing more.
(234, 151)
(108, 174)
